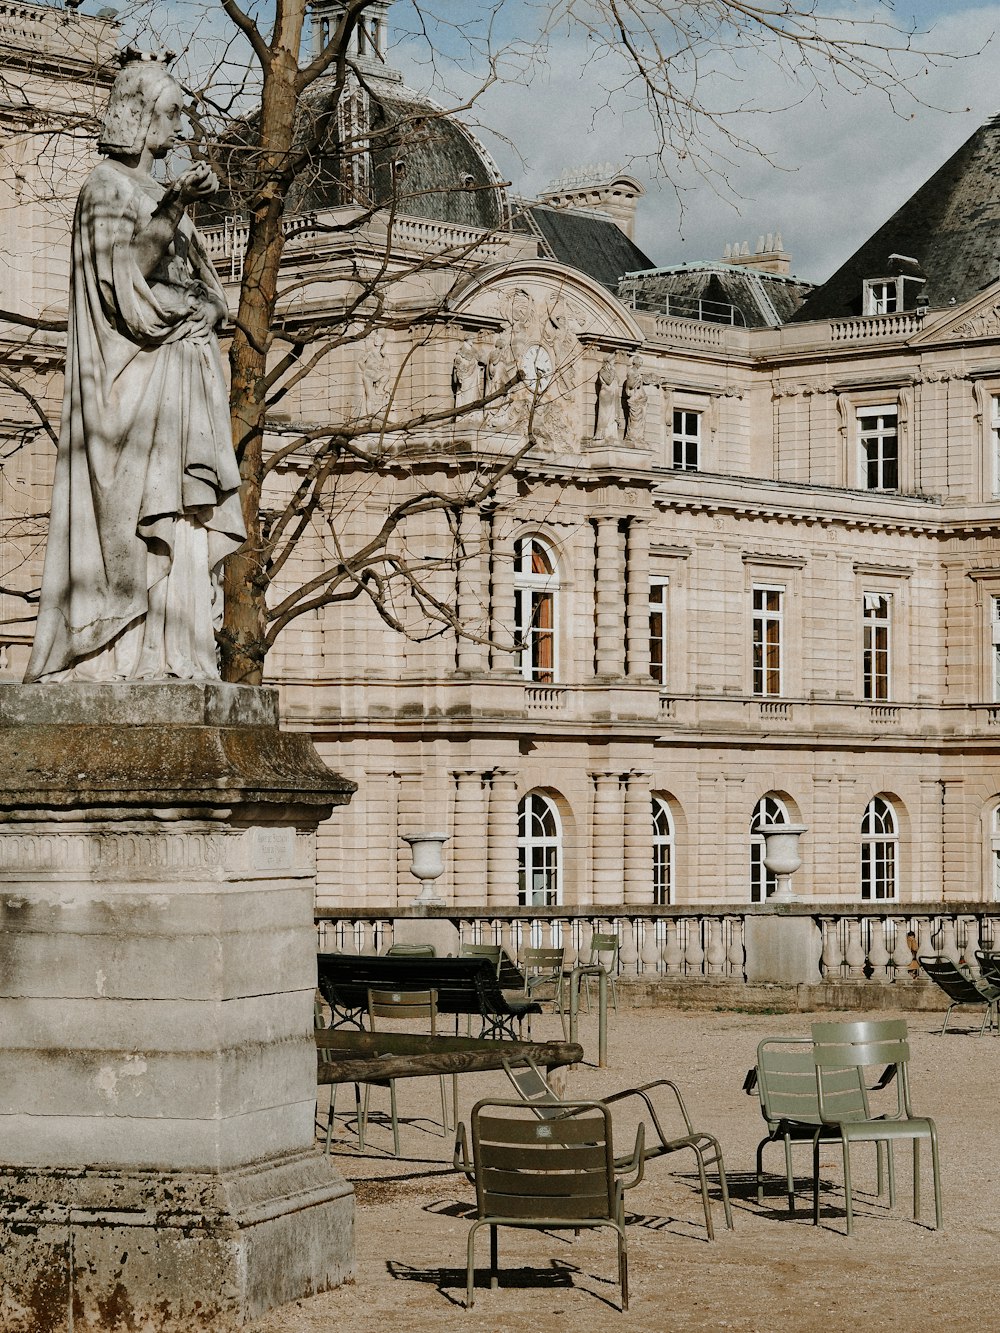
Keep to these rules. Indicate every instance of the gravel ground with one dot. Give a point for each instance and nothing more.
(773, 1272)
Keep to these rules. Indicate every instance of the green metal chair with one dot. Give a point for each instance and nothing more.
(856, 1046)
(548, 1175)
(405, 1006)
(544, 967)
(963, 989)
(494, 952)
(604, 946)
(535, 1091)
(411, 951)
(784, 1079)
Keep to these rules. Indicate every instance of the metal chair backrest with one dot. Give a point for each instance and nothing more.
(856, 1046)
(989, 966)
(559, 1172)
(411, 951)
(534, 1089)
(494, 952)
(403, 1005)
(607, 943)
(542, 964)
(955, 983)
(786, 1084)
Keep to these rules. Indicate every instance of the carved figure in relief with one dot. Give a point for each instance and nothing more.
(376, 376)
(607, 401)
(636, 400)
(565, 348)
(145, 502)
(465, 376)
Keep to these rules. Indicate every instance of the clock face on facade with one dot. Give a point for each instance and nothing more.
(536, 364)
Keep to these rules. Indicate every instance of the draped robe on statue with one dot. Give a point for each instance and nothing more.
(145, 501)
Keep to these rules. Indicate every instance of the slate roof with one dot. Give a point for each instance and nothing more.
(586, 241)
(763, 300)
(951, 226)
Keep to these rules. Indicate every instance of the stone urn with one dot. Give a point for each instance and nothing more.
(427, 850)
(782, 856)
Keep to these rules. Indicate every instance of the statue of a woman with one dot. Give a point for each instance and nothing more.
(145, 502)
(608, 399)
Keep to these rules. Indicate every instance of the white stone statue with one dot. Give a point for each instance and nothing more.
(636, 400)
(145, 501)
(608, 398)
(465, 376)
(376, 376)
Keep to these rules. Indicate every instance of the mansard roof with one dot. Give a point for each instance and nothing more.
(707, 291)
(951, 227)
(586, 241)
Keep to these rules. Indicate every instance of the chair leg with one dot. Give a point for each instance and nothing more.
(623, 1266)
(847, 1184)
(936, 1169)
(395, 1117)
(494, 1264)
(724, 1190)
(947, 1015)
(916, 1178)
(470, 1265)
(789, 1178)
(705, 1200)
(816, 1180)
(760, 1171)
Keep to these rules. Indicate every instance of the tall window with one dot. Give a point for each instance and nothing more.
(539, 881)
(995, 848)
(877, 645)
(535, 609)
(768, 810)
(663, 854)
(879, 862)
(878, 437)
(767, 613)
(658, 629)
(995, 439)
(995, 645)
(687, 440)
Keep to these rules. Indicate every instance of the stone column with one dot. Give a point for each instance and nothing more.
(501, 841)
(502, 660)
(638, 838)
(608, 843)
(472, 595)
(468, 846)
(610, 597)
(157, 975)
(637, 599)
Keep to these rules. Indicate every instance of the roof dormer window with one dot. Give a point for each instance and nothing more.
(898, 290)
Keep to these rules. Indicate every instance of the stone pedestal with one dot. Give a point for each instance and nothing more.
(783, 948)
(157, 973)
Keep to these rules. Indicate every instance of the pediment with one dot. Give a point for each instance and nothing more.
(977, 318)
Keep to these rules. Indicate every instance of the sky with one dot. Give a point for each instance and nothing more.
(822, 168)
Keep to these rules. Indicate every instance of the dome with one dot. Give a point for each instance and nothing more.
(383, 143)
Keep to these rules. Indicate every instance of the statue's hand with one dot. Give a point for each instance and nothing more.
(197, 183)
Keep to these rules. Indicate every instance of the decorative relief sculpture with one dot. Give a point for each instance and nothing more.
(376, 377)
(636, 399)
(145, 502)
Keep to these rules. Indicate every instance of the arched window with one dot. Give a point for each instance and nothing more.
(663, 854)
(879, 859)
(995, 852)
(768, 810)
(539, 841)
(535, 584)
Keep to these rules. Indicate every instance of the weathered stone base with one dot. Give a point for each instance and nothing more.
(109, 1251)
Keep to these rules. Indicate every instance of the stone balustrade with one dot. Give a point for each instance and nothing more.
(862, 944)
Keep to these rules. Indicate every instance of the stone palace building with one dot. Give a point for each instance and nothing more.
(744, 566)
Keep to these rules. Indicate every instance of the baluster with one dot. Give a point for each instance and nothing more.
(510, 938)
(833, 953)
(990, 933)
(925, 946)
(587, 926)
(902, 955)
(649, 953)
(854, 954)
(628, 952)
(947, 943)
(972, 944)
(694, 954)
(736, 953)
(672, 954)
(878, 954)
(715, 954)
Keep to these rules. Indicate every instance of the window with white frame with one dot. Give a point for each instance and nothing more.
(658, 586)
(878, 445)
(663, 854)
(535, 585)
(881, 296)
(768, 607)
(539, 845)
(877, 645)
(687, 440)
(879, 852)
(995, 850)
(763, 882)
(995, 646)
(995, 441)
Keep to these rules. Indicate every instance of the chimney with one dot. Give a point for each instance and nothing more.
(769, 257)
(601, 188)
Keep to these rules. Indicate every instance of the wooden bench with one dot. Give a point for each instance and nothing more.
(463, 985)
